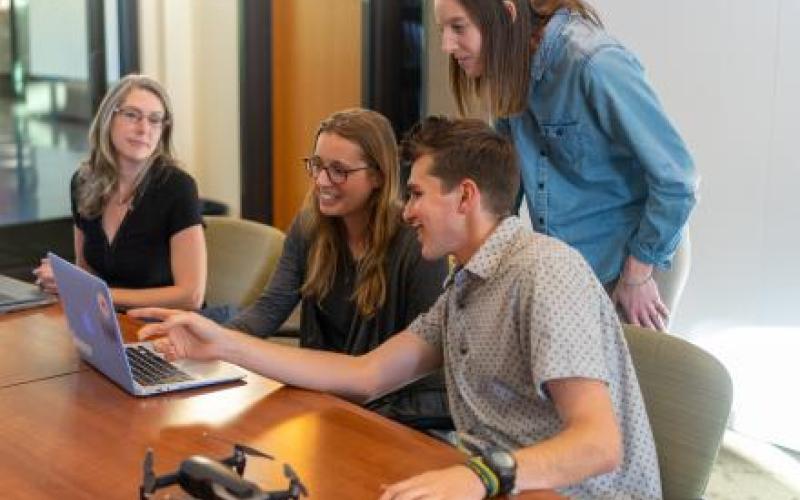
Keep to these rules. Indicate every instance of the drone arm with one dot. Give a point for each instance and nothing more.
(166, 480)
(234, 461)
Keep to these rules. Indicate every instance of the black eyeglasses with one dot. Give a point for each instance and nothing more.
(337, 171)
(134, 116)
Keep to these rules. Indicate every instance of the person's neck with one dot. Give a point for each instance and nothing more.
(129, 174)
(355, 228)
(478, 229)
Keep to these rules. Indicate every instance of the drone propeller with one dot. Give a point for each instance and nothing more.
(148, 477)
(295, 485)
(249, 450)
(243, 448)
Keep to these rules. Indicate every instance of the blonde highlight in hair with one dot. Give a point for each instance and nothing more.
(506, 48)
(373, 134)
(98, 175)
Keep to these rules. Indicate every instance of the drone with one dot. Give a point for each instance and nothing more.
(207, 479)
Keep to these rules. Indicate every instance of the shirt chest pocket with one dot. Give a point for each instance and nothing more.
(564, 144)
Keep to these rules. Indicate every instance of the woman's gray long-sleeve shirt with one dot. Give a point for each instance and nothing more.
(334, 324)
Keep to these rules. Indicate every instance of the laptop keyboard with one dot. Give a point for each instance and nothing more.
(149, 369)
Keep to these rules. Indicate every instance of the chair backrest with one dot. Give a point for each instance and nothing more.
(242, 255)
(671, 282)
(687, 393)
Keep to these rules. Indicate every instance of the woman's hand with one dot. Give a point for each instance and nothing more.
(45, 278)
(636, 294)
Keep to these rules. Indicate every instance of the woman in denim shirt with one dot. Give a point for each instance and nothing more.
(603, 169)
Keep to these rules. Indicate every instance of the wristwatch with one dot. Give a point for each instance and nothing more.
(504, 466)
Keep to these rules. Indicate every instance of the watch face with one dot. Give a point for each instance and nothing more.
(503, 459)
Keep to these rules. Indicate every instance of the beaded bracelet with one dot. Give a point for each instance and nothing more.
(486, 475)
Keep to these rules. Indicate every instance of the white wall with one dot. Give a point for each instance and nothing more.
(728, 73)
(191, 46)
(217, 100)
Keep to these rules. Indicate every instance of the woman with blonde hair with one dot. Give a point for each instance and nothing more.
(603, 168)
(136, 214)
(352, 263)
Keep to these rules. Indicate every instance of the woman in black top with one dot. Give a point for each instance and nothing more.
(136, 216)
(352, 262)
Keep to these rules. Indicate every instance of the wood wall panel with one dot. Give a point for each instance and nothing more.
(316, 71)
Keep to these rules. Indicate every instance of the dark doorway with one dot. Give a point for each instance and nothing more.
(394, 49)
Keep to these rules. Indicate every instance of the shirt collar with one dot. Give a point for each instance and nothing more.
(493, 251)
(543, 58)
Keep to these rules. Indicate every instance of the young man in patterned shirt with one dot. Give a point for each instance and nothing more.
(538, 373)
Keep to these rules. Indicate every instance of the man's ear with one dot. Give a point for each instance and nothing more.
(511, 7)
(470, 196)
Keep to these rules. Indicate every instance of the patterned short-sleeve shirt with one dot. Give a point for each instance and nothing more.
(527, 309)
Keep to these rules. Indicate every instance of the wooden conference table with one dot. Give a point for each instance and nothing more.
(68, 432)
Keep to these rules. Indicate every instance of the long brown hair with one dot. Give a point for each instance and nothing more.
(98, 175)
(373, 134)
(506, 49)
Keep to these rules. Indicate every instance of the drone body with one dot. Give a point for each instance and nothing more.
(207, 479)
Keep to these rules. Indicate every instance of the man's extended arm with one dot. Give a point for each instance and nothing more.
(400, 360)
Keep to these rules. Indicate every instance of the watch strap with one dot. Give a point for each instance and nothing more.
(487, 476)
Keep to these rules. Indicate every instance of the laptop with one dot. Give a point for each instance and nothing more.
(16, 295)
(135, 367)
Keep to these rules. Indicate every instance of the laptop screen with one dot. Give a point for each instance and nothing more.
(16, 295)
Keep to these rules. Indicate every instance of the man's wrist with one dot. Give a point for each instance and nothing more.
(497, 470)
(488, 478)
(504, 465)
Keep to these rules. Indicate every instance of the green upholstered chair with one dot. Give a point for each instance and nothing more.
(687, 393)
(242, 256)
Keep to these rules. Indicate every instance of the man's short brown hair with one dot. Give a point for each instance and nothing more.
(467, 149)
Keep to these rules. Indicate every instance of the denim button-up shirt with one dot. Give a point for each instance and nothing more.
(603, 169)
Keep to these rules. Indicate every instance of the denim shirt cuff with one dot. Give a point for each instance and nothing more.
(660, 262)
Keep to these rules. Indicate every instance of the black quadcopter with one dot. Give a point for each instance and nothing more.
(207, 479)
